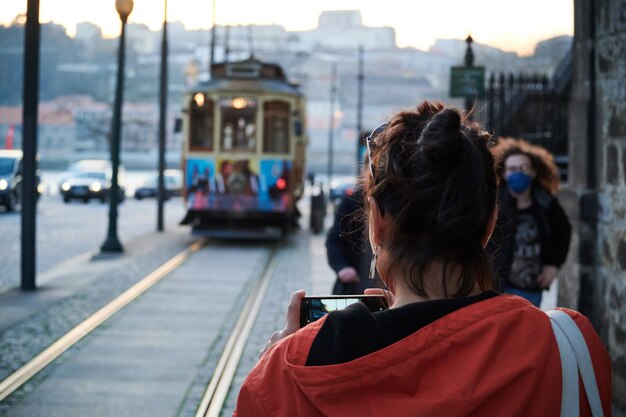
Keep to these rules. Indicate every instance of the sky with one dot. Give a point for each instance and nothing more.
(512, 25)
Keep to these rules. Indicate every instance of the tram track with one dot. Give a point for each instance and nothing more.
(225, 370)
(232, 348)
(69, 339)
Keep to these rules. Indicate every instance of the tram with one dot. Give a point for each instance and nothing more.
(243, 151)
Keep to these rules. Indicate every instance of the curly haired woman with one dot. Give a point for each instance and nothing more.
(532, 235)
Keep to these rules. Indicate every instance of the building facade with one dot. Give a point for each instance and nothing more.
(594, 279)
(343, 29)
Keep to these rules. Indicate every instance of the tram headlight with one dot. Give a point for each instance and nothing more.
(198, 98)
(65, 186)
(95, 187)
(239, 103)
(3, 184)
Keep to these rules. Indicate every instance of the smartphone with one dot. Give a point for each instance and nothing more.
(316, 307)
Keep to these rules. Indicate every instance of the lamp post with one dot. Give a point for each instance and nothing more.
(112, 243)
(162, 123)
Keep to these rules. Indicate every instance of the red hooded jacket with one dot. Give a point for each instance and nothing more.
(497, 357)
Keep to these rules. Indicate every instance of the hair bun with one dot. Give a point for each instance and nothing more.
(442, 139)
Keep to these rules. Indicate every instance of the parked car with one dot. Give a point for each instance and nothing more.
(89, 179)
(11, 172)
(173, 179)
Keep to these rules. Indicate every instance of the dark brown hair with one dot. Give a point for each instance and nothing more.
(541, 160)
(434, 175)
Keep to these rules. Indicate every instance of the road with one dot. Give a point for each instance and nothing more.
(65, 231)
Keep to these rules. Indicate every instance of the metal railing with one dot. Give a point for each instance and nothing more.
(531, 107)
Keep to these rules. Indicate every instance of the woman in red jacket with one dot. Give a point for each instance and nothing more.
(449, 345)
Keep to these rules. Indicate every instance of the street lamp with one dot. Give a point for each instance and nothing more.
(112, 243)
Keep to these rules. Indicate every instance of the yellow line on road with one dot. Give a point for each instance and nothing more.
(31, 368)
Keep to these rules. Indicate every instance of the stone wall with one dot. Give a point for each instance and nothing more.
(595, 281)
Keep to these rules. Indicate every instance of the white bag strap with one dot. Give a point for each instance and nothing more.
(574, 357)
(569, 368)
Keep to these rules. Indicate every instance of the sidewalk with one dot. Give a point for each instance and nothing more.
(75, 289)
(145, 360)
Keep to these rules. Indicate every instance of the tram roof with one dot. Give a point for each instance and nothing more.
(249, 74)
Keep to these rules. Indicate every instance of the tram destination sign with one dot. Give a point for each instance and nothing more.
(467, 82)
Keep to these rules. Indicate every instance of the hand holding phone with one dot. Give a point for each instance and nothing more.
(315, 307)
(291, 324)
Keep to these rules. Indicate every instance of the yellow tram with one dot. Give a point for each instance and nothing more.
(243, 151)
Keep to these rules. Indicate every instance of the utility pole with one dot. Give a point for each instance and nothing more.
(359, 111)
(331, 128)
(29, 145)
(469, 62)
(226, 43)
(250, 44)
(162, 123)
(213, 36)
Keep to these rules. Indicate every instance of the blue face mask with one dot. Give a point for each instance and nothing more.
(518, 182)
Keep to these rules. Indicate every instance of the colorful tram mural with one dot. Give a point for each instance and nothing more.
(244, 151)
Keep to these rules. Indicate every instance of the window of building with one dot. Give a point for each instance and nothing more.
(276, 127)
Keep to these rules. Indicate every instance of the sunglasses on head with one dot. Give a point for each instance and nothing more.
(369, 143)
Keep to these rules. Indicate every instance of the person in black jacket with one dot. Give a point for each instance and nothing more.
(348, 250)
(532, 235)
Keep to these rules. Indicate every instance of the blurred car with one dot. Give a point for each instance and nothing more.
(341, 186)
(11, 172)
(173, 179)
(90, 179)
(85, 165)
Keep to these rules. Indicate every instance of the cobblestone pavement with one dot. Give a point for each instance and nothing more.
(144, 361)
(26, 330)
(68, 230)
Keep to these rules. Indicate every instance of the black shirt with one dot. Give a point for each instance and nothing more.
(526, 265)
(354, 332)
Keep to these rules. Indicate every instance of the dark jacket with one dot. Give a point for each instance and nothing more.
(554, 233)
(347, 245)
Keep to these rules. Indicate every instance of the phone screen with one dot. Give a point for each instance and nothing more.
(316, 307)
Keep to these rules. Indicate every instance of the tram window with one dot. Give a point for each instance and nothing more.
(201, 129)
(276, 127)
(238, 124)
